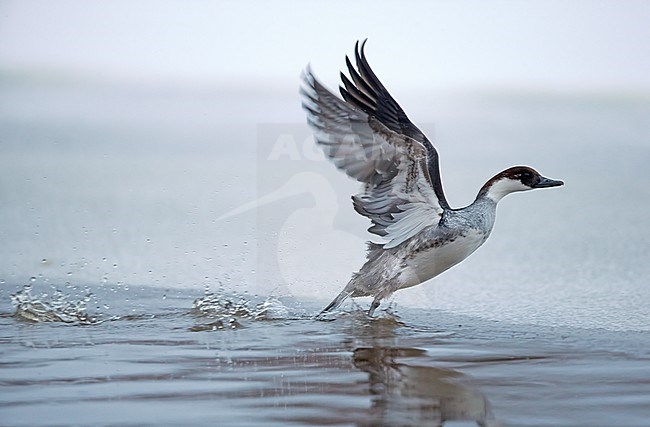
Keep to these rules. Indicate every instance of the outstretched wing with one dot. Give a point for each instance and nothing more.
(367, 93)
(368, 136)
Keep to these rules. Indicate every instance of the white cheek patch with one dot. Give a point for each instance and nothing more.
(505, 186)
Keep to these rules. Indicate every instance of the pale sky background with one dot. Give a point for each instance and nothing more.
(540, 45)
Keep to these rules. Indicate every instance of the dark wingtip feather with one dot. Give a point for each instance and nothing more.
(357, 97)
(364, 69)
(363, 44)
(346, 95)
(361, 84)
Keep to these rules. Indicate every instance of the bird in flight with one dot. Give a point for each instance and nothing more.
(367, 135)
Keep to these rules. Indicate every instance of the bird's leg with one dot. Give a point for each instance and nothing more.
(375, 304)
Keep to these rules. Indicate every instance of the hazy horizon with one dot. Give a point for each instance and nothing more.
(538, 45)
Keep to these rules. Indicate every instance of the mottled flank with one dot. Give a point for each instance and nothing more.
(368, 136)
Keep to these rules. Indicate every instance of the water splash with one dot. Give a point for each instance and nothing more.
(271, 309)
(57, 307)
(227, 311)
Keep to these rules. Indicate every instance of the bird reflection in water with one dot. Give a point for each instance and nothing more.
(408, 395)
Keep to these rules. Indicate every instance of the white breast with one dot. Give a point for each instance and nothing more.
(427, 264)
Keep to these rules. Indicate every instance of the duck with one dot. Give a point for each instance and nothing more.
(367, 135)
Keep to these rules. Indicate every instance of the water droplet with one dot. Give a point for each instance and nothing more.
(164, 296)
(44, 261)
(104, 259)
(69, 273)
(32, 279)
(114, 265)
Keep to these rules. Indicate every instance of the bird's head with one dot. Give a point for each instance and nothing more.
(516, 178)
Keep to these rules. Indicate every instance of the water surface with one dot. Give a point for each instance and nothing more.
(120, 206)
(239, 362)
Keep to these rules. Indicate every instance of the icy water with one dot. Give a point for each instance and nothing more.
(164, 251)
